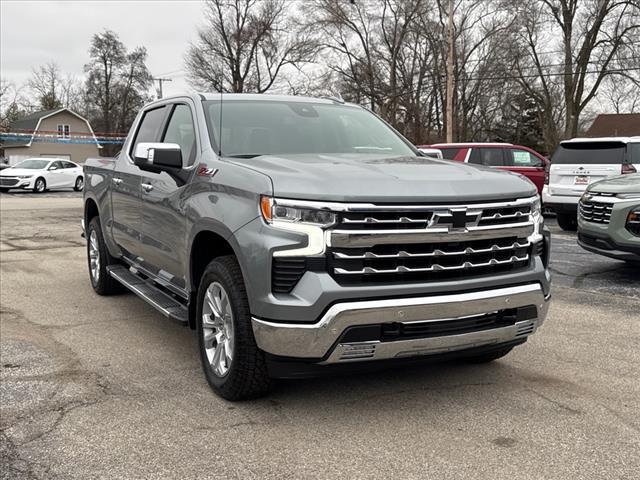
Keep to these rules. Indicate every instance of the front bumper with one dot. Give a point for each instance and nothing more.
(320, 342)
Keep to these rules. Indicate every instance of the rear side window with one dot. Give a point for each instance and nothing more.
(634, 152)
(69, 165)
(450, 153)
(491, 157)
(589, 153)
(521, 158)
(149, 129)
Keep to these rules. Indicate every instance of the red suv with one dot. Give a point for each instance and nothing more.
(505, 156)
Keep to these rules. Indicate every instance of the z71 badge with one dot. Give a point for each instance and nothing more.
(204, 171)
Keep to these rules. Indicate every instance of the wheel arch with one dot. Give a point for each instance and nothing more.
(207, 244)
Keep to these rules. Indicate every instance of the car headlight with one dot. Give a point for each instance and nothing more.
(272, 212)
(536, 207)
(628, 195)
(25, 176)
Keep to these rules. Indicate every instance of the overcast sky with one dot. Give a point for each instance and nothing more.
(33, 33)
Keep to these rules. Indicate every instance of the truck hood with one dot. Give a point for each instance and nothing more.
(14, 172)
(382, 179)
(629, 183)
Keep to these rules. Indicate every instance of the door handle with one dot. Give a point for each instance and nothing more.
(116, 181)
(147, 187)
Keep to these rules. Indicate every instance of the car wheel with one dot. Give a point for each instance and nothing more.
(79, 185)
(40, 186)
(99, 258)
(233, 365)
(567, 221)
(488, 357)
(4, 190)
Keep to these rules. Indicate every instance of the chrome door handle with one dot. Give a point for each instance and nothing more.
(117, 181)
(147, 187)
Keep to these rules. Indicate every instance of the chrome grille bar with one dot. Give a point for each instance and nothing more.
(370, 220)
(433, 268)
(435, 253)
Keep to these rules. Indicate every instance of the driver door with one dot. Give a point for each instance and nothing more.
(55, 175)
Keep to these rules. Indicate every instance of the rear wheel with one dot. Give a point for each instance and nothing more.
(489, 357)
(567, 221)
(99, 258)
(233, 364)
(40, 186)
(79, 185)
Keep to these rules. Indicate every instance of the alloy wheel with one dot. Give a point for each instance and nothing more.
(79, 184)
(94, 256)
(40, 185)
(217, 329)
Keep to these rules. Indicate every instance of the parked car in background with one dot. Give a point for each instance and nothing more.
(431, 152)
(505, 156)
(581, 161)
(609, 218)
(41, 174)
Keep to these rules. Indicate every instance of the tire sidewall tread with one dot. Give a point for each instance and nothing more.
(247, 377)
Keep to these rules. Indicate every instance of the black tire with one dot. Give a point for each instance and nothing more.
(488, 357)
(79, 185)
(40, 186)
(4, 190)
(102, 283)
(567, 221)
(247, 375)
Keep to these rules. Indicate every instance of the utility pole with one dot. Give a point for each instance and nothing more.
(160, 81)
(450, 86)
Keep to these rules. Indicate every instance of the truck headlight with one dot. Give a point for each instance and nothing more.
(536, 207)
(272, 212)
(628, 196)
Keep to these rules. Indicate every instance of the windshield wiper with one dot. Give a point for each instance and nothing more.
(245, 155)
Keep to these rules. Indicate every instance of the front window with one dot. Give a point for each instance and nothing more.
(254, 128)
(32, 164)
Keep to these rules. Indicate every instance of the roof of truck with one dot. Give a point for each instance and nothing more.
(603, 139)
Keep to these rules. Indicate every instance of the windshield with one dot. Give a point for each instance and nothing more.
(32, 164)
(252, 128)
(589, 153)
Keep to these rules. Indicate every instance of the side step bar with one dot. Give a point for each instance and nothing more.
(146, 290)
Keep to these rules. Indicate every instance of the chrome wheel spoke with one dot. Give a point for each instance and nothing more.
(217, 329)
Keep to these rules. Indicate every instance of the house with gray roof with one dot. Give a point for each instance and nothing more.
(59, 133)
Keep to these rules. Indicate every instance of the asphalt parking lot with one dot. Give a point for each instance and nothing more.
(96, 387)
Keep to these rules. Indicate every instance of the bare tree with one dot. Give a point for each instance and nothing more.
(13, 103)
(244, 46)
(592, 33)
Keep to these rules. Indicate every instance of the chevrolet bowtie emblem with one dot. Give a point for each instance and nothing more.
(455, 218)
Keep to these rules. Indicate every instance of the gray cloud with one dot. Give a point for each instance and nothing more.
(33, 33)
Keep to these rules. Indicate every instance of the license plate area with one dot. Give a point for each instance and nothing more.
(581, 180)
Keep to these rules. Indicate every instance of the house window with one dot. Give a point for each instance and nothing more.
(64, 131)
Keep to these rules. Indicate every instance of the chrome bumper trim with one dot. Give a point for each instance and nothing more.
(316, 340)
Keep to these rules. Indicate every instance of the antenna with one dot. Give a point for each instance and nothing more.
(220, 126)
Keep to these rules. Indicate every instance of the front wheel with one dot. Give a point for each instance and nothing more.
(233, 365)
(567, 221)
(40, 186)
(79, 185)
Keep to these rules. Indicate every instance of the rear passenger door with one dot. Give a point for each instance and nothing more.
(163, 220)
(526, 163)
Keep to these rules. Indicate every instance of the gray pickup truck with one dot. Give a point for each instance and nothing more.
(300, 236)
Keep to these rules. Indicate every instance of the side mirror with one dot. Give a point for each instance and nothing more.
(52, 167)
(157, 157)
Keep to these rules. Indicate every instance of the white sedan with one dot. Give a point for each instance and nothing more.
(41, 174)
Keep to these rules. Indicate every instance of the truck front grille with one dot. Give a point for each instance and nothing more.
(595, 211)
(432, 261)
(423, 244)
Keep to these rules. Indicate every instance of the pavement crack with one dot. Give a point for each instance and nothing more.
(561, 405)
